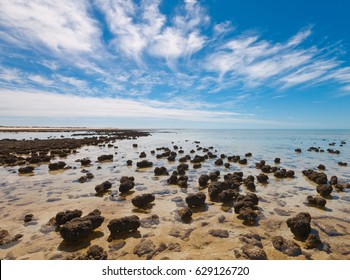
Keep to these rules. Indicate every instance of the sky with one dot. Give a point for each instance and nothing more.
(175, 64)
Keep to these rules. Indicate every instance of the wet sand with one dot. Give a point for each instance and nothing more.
(44, 193)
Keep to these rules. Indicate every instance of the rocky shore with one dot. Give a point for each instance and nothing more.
(117, 196)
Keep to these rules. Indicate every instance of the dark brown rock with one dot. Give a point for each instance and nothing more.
(66, 216)
(26, 169)
(300, 225)
(143, 200)
(262, 178)
(316, 201)
(126, 185)
(158, 171)
(185, 214)
(124, 225)
(57, 165)
(103, 187)
(105, 158)
(196, 200)
(324, 190)
(144, 164)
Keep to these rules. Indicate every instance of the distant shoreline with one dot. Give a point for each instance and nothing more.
(55, 129)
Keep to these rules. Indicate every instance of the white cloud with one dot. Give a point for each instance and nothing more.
(256, 62)
(10, 75)
(133, 28)
(59, 25)
(39, 104)
(80, 84)
(143, 29)
(40, 80)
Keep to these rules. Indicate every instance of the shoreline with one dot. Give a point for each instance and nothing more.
(59, 129)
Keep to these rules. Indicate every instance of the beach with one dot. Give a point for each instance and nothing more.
(244, 215)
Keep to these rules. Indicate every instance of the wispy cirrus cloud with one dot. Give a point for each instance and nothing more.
(60, 26)
(256, 61)
(144, 30)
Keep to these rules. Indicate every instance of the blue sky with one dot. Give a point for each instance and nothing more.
(175, 64)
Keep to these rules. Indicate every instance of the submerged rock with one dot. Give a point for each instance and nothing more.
(313, 241)
(6, 238)
(185, 214)
(287, 247)
(144, 247)
(253, 252)
(219, 233)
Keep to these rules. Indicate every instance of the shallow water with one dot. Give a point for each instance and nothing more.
(47, 193)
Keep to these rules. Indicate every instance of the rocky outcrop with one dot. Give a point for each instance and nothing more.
(300, 225)
(79, 229)
(124, 225)
(143, 200)
(262, 178)
(203, 180)
(144, 164)
(196, 200)
(26, 169)
(316, 177)
(66, 216)
(85, 162)
(105, 158)
(126, 184)
(316, 201)
(57, 165)
(324, 190)
(103, 187)
(159, 171)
